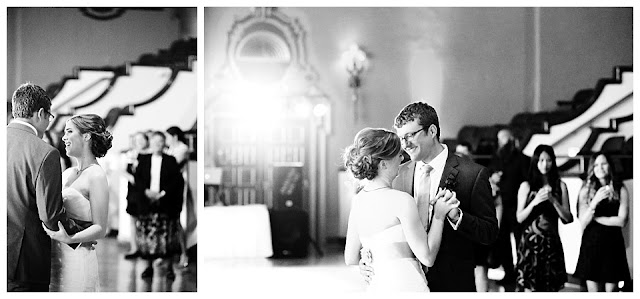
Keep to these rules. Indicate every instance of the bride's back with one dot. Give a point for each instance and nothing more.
(377, 212)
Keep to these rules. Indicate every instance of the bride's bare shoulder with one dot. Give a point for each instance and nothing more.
(96, 174)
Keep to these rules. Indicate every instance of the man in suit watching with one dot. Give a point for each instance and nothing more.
(34, 186)
(474, 220)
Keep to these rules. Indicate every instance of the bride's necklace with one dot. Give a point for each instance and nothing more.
(79, 171)
(383, 187)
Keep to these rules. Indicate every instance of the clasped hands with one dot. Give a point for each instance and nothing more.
(445, 203)
(154, 195)
(603, 193)
(62, 236)
(543, 195)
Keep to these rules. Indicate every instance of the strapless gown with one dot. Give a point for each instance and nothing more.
(395, 267)
(75, 270)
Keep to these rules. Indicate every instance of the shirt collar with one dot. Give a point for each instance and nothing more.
(26, 124)
(439, 161)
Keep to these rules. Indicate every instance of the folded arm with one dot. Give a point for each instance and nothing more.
(623, 212)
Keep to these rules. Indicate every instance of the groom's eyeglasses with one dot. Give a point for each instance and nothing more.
(51, 116)
(409, 136)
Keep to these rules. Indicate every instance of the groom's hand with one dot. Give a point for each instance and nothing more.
(61, 235)
(89, 245)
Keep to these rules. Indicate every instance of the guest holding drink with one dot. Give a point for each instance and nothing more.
(603, 209)
(542, 199)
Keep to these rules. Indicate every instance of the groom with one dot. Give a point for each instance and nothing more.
(474, 220)
(34, 187)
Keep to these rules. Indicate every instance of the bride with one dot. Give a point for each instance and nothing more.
(85, 193)
(383, 222)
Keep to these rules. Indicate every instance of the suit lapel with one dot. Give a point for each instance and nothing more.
(450, 170)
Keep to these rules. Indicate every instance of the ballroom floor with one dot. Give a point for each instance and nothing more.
(120, 275)
(313, 274)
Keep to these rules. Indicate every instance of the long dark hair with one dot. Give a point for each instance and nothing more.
(536, 180)
(177, 132)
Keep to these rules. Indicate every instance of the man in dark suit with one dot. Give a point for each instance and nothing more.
(512, 167)
(34, 187)
(474, 220)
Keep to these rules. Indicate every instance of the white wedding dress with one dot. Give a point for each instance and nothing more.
(77, 269)
(395, 267)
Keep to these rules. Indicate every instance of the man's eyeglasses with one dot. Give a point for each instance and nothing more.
(409, 136)
(51, 116)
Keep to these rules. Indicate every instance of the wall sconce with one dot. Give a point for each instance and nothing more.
(355, 62)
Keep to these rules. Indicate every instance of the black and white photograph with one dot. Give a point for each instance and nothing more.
(327, 149)
(411, 149)
(101, 142)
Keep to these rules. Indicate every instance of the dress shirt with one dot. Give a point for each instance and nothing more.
(156, 163)
(438, 164)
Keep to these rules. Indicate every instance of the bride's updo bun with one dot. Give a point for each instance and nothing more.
(370, 146)
(94, 125)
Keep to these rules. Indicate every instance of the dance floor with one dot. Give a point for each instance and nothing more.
(120, 275)
(277, 276)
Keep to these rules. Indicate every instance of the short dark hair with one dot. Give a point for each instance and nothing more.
(425, 114)
(28, 99)
(94, 125)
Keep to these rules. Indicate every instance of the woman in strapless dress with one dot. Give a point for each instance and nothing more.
(85, 194)
(384, 223)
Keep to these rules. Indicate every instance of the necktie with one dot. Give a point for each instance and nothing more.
(423, 194)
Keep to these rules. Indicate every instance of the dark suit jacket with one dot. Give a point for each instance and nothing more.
(453, 269)
(34, 196)
(171, 182)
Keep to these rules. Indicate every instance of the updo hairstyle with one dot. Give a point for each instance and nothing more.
(370, 146)
(95, 126)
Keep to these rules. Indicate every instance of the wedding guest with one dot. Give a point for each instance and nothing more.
(177, 146)
(178, 149)
(159, 186)
(511, 166)
(603, 209)
(542, 199)
(463, 150)
(473, 221)
(483, 254)
(140, 145)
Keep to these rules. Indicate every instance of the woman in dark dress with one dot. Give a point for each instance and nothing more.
(541, 201)
(603, 209)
